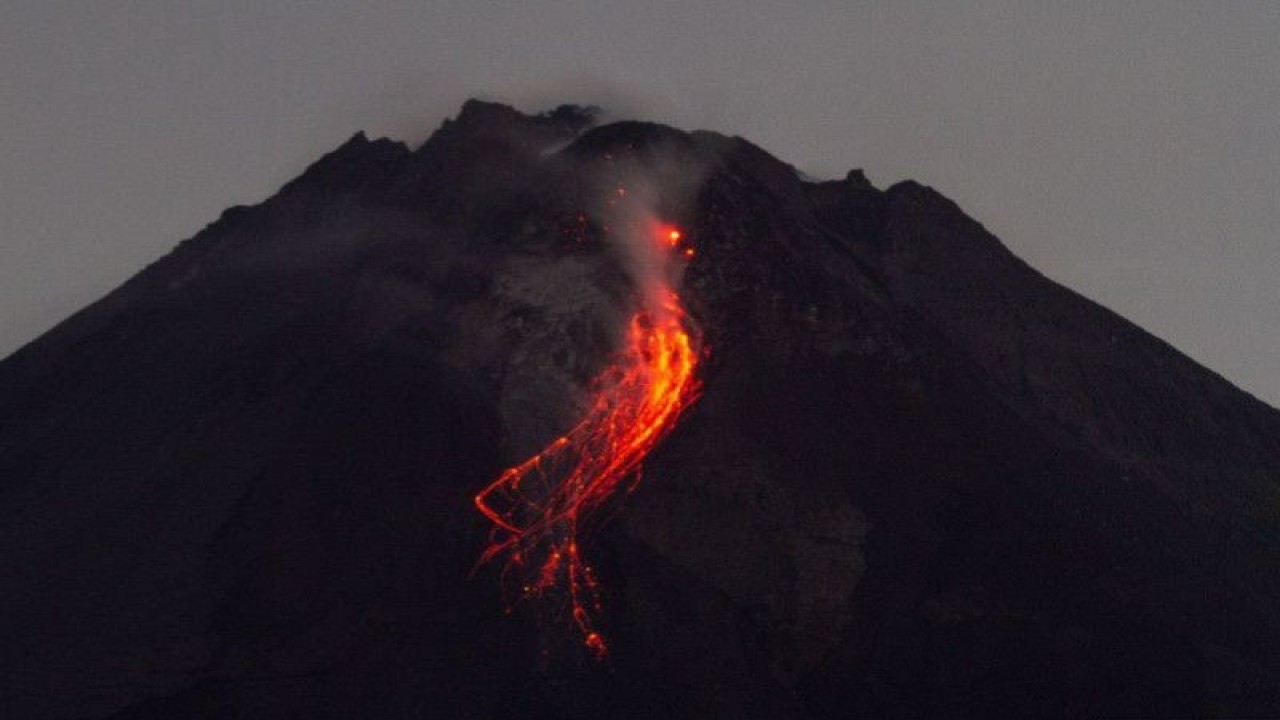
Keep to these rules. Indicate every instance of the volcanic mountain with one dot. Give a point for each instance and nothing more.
(915, 477)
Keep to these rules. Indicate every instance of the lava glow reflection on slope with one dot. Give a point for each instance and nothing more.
(539, 507)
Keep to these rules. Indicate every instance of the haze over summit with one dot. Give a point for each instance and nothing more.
(1128, 152)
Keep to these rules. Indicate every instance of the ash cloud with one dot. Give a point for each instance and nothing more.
(645, 198)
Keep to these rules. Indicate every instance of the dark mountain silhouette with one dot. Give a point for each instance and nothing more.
(923, 480)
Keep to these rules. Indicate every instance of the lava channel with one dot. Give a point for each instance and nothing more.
(539, 507)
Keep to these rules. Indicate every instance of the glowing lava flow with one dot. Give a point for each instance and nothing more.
(539, 506)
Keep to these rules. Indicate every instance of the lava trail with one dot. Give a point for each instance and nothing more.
(539, 507)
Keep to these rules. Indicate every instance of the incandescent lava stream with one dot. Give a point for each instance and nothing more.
(539, 507)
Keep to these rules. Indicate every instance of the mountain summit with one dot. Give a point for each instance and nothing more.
(920, 478)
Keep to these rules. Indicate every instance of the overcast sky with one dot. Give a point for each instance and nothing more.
(1128, 150)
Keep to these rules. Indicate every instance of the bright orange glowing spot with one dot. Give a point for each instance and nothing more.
(596, 645)
(539, 507)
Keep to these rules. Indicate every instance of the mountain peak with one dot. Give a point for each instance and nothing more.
(920, 479)
(355, 164)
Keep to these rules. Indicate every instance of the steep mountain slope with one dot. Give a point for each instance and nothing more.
(922, 479)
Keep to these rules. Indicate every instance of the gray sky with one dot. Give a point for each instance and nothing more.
(1128, 150)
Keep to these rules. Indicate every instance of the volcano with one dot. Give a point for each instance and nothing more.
(909, 476)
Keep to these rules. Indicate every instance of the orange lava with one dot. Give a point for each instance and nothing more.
(539, 507)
